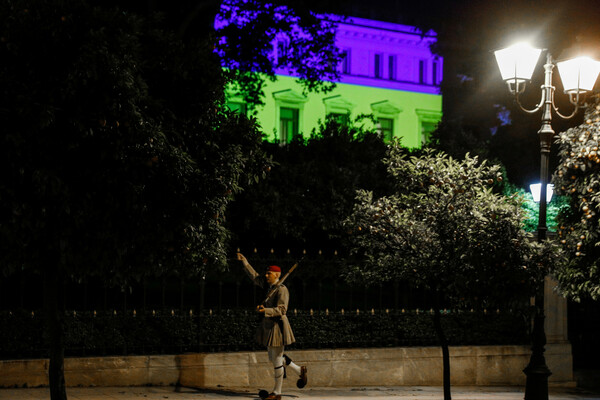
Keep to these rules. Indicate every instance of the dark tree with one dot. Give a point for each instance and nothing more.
(310, 189)
(118, 161)
(445, 231)
(577, 178)
(245, 32)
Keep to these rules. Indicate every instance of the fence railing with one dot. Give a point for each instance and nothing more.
(316, 284)
(101, 333)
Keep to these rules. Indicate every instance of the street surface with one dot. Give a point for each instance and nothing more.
(373, 393)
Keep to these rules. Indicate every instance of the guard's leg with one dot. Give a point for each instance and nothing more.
(276, 357)
(289, 363)
(301, 371)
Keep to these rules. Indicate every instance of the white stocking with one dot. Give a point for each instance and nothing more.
(276, 357)
(294, 367)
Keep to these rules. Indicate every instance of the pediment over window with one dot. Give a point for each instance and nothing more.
(337, 104)
(428, 115)
(289, 96)
(385, 107)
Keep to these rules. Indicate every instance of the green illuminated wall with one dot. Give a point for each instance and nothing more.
(412, 113)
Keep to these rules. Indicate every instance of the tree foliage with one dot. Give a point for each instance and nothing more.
(577, 177)
(304, 42)
(310, 189)
(118, 158)
(445, 230)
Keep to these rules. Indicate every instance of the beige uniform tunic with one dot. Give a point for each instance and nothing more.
(275, 329)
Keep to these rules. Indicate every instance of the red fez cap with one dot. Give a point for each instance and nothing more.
(273, 268)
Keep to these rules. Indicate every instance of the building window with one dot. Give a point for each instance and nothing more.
(346, 62)
(434, 73)
(378, 66)
(428, 122)
(426, 129)
(340, 118)
(392, 67)
(422, 71)
(237, 107)
(288, 124)
(386, 128)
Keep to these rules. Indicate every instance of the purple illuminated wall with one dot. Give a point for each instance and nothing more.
(387, 55)
(378, 54)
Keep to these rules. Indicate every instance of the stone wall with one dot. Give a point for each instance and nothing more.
(410, 366)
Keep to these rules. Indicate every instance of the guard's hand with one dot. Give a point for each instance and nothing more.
(260, 309)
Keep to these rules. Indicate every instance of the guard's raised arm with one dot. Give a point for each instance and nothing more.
(252, 274)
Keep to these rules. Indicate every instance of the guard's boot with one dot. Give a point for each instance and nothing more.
(273, 396)
(303, 378)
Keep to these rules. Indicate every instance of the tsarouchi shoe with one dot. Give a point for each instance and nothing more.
(303, 378)
(273, 396)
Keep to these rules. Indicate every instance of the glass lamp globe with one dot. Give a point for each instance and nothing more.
(536, 189)
(517, 62)
(578, 74)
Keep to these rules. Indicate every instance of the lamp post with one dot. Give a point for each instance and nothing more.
(516, 65)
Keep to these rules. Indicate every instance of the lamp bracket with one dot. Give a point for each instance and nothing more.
(537, 108)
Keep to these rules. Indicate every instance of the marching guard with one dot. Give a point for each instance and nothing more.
(275, 331)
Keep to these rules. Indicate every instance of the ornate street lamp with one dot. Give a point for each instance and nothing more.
(578, 76)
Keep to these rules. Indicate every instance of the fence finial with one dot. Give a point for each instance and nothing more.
(342, 311)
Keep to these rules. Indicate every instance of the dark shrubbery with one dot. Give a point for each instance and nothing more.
(166, 332)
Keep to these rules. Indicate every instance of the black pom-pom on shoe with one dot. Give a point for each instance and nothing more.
(303, 378)
(263, 394)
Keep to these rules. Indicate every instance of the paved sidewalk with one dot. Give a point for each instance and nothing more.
(373, 393)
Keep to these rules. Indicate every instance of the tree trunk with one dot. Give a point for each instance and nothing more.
(54, 334)
(437, 323)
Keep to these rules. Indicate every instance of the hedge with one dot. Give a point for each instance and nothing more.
(173, 332)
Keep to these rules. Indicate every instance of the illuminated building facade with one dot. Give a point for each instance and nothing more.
(388, 71)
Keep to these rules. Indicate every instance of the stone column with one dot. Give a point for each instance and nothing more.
(555, 308)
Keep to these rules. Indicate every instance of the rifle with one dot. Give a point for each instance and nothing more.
(278, 285)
